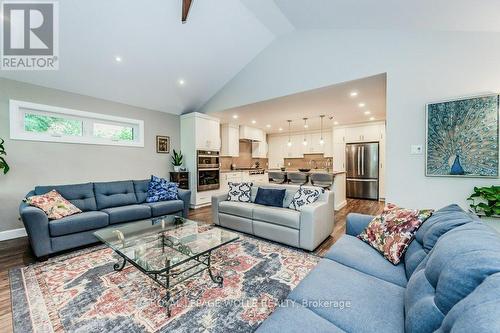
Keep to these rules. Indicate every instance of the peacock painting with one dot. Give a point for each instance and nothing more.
(462, 137)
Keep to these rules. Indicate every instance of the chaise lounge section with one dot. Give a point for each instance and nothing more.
(449, 281)
(102, 204)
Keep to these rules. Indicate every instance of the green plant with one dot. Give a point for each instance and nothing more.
(177, 158)
(486, 200)
(3, 162)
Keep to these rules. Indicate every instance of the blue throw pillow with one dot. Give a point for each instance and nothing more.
(270, 197)
(160, 189)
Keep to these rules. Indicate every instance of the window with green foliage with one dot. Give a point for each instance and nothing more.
(52, 125)
(113, 132)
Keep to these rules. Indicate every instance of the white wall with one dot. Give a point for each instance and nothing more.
(43, 163)
(420, 67)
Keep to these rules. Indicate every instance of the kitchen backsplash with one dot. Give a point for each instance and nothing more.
(309, 161)
(245, 159)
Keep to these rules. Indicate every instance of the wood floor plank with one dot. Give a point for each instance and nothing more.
(17, 252)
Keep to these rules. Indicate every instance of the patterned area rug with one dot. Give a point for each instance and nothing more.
(81, 292)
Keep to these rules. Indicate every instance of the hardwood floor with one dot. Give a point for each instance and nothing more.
(16, 252)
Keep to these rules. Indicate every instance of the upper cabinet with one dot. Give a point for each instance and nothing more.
(252, 133)
(200, 132)
(230, 140)
(259, 149)
(365, 133)
(316, 146)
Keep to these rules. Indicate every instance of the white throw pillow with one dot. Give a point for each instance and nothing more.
(240, 192)
(305, 196)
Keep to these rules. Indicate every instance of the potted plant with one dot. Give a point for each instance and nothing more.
(3, 163)
(177, 160)
(486, 201)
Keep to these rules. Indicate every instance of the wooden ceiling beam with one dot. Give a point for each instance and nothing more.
(186, 6)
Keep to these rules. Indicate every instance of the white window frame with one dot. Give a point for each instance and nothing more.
(18, 109)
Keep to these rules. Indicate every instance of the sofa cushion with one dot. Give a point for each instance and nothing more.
(290, 191)
(165, 207)
(128, 213)
(391, 232)
(292, 317)
(80, 195)
(141, 190)
(53, 204)
(281, 216)
(352, 252)
(78, 223)
(460, 261)
(243, 209)
(114, 194)
(371, 304)
(270, 197)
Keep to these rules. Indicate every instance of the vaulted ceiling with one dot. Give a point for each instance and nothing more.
(173, 67)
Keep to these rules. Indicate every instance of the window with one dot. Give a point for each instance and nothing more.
(37, 122)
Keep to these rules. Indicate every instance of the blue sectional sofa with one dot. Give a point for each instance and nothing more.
(449, 281)
(102, 204)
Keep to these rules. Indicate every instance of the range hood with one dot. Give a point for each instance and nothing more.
(248, 133)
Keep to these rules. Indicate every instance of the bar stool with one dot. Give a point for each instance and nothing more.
(324, 180)
(277, 177)
(297, 178)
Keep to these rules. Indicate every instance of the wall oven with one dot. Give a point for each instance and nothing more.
(208, 170)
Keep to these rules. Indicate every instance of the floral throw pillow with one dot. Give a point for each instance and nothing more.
(53, 204)
(159, 189)
(240, 192)
(305, 196)
(391, 232)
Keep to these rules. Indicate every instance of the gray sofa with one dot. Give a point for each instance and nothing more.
(305, 229)
(449, 281)
(102, 204)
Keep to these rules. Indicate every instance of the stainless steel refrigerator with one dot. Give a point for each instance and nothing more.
(362, 170)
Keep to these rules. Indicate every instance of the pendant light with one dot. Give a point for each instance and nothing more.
(305, 126)
(321, 141)
(289, 135)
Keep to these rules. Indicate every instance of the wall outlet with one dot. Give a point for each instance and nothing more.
(417, 149)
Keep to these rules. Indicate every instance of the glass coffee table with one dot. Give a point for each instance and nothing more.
(168, 249)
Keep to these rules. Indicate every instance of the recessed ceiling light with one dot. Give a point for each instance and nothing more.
(336, 123)
(354, 93)
(254, 122)
(280, 129)
(367, 112)
(361, 105)
(118, 59)
(235, 116)
(181, 82)
(268, 126)
(372, 118)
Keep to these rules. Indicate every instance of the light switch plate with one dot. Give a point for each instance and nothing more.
(417, 149)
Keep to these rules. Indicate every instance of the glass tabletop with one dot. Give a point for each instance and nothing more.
(158, 244)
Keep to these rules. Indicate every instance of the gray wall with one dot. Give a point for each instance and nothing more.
(38, 163)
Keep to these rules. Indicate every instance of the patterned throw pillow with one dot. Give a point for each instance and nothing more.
(391, 232)
(305, 196)
(53, 204)
(241, 192)
(159, 189)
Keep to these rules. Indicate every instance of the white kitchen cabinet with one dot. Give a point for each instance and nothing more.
(230, 140)
(297, 149)
(259, 149)
(366, 133)
(227, 177)
(339, 156)
(277, 150)
(314, 145)
(338, 135)
(252, 133)
(206, 132)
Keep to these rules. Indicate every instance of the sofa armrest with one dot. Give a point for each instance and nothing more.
(216, 199)
(185, 195)
(356, 223)
(36, 223)
(316, 223)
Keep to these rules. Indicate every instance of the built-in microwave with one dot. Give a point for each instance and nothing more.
(208, 170)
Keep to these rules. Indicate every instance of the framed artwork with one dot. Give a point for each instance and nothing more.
(162, 144)
(462, 137)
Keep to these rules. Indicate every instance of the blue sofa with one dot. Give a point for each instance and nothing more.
(102, 204)
(449, 281)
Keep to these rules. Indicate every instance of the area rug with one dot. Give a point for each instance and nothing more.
(81, 292)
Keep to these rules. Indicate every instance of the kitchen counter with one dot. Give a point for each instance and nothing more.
(311, 171)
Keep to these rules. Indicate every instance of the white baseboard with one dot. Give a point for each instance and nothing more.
(341, 205)
(11, 234)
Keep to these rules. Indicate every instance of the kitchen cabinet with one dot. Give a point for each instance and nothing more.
(339, 156)
(226, 177)
(314, 145)
(277, 150)
(338, 135)
(252, 133)
(363, 133)
(259, 149)
(230, 140)
(207, 133)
